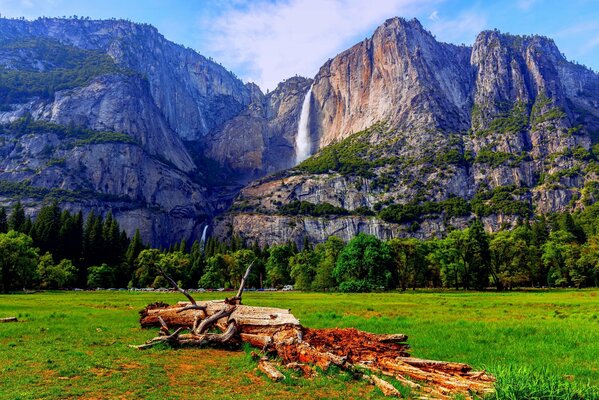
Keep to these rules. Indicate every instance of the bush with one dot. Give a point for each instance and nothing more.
(356, 286)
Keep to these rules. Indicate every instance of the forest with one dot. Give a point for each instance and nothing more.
(59, 249)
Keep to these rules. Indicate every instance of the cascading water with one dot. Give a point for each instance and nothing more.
(303, 145)
(203, 239)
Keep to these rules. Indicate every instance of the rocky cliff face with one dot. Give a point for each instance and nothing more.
(407, 125)
(413, 136)
(159, 113)
(260, 140)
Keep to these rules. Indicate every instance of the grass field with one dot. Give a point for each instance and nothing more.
(74, 344)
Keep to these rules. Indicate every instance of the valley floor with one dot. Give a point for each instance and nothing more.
(75, 344)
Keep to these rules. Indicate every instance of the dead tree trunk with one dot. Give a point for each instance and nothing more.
(278, 333)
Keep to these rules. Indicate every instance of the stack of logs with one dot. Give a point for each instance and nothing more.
(279, 335)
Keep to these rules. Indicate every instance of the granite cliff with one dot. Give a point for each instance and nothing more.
(416, 137)
(411, 136)
(119, 118)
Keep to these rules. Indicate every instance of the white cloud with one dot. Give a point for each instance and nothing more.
(462, 29)
(270, 41)
(526, 4)
(434, 16)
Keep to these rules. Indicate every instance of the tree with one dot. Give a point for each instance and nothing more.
(53, 276)
(102, 276)
(364, 265)
(559, 255)
(17, 218)
(70, 237)
(408, 258)
(303, 268)
(586, 270)
(135, 247)
(3, 220)
(18, 259)
(277, 265)
(327, 254)
(241, 260)
(444, 257)
(46, 228)
(147, 267)
(176, 265)
(216, 274)
(478, 255)
(509, 260)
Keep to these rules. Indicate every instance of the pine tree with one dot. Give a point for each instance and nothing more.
(3, 221)
(46, 228)
(17, 218)
(135, 247)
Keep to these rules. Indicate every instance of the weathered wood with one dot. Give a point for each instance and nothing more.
(385, 387)
(9, 319)
(270, 370)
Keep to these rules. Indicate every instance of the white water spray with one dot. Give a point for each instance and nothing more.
(302, 140)
(203, 239)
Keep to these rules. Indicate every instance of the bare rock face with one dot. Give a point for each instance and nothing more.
(506, 126)
(194, 94)
(401, 75)
(261, 139)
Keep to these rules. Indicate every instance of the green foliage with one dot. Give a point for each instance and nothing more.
(316, 210)
(18, 259)
(502, 199)
(101, 276)
(278, 271)
(365, 260)
(402, 213)
(75, 135)
(349, 156)
(526, 383)
(66, 67)
(512, 121)
(55, 276)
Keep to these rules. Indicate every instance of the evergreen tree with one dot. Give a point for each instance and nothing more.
(3, 221)
(17, 219)
(46, 228)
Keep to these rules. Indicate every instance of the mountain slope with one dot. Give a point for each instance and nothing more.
(153, 114)
(416, 136)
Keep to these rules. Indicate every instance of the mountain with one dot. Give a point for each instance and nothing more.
(416, 137)
(410, 136)
(109, 115)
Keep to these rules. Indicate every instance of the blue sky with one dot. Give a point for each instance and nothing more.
(266, 41)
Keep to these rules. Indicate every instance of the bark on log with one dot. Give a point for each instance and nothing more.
(9, 319)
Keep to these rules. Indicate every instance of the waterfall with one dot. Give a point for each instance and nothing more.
(203, 239)
(302, 140)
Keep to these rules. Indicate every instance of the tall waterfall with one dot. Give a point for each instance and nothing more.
(203, 239)
(302, 140)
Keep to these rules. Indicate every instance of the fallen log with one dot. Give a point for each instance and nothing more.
(9, 319)
(278, 333)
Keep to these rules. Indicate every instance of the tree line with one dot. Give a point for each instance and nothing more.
(59, 249)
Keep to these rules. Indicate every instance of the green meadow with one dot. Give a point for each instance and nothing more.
(540, 344)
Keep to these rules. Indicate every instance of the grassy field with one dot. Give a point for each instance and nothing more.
(74, 344)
